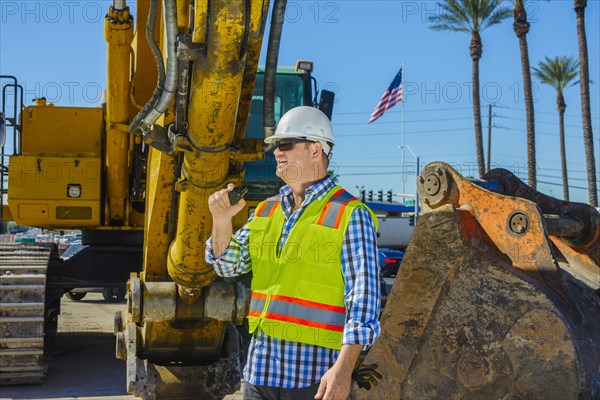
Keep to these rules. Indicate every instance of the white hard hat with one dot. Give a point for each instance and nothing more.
(306, 122)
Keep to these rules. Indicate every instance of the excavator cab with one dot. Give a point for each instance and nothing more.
(294, 87)
(291, 90)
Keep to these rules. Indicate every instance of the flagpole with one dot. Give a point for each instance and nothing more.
(403, 171)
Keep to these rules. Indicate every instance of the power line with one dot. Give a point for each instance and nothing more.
(560, 184)
(406, 133)
(459, 108)
(412, 111)
(560, 177)
(446, 155)
(407, 121)
(541, 112)
(396, 166)
(581, 171)
(448, 130)
(365, 158)
(371, 173)
(524, 178)
(524, 165)
(536, 132)
(399, 173)
(544, 122)
(364, 166)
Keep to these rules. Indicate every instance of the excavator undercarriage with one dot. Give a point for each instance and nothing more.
(24, 312)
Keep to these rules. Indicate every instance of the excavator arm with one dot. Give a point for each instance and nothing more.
(185, 113)
(177, 335)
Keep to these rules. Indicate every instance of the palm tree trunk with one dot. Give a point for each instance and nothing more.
(560, 101)
(531, 162)
(477, 119)
(521, 28)
(476, 50)
(586, 114)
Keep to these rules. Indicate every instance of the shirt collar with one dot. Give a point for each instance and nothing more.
(315, 191)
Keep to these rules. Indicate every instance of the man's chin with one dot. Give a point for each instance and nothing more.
(281, 174)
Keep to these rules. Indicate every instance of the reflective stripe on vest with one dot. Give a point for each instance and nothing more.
(334, 209)
(299, 311)
(267, 209)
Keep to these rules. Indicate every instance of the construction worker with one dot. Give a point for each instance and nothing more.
(313, 254)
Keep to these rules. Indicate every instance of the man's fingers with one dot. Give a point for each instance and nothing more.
(219, 202)
(220, 205)
(213, 202)
(241, 204)
(220, 199)
(223, 198)
(321, 390)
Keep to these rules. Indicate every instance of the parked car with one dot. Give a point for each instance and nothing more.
(389, 262)
(112, 294)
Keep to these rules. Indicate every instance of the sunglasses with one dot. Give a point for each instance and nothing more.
(288, 144)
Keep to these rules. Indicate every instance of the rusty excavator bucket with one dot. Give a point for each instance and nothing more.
(497, 297)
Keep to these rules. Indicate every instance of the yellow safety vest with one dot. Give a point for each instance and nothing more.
(298, 290)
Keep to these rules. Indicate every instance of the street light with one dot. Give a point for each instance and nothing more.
(416, 178)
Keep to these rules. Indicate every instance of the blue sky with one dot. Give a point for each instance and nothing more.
(57, 50)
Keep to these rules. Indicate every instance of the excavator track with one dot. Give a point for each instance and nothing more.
(23, 269)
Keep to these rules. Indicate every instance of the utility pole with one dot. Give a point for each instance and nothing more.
(403, 170)
(489, 143)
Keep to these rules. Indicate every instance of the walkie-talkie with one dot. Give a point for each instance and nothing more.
(237, 193)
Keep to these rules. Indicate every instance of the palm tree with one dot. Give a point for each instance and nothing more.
(521, 27)
(586, 113)
(472, 17)
(559, 72)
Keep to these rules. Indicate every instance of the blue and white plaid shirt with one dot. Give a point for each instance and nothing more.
(288, 364)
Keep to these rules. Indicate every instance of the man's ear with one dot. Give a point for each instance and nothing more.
(316, 149)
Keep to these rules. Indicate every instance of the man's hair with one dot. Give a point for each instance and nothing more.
(325, 159)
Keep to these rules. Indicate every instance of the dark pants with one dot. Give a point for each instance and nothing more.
(252, 392)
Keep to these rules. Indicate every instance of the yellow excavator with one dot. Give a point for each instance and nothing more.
(186, 110)
(497, 296)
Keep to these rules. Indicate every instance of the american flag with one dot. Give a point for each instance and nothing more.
(392, 95)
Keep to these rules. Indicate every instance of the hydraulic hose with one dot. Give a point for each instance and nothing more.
(150, 23)
(170, 11)
(167, 81)
(277, 19)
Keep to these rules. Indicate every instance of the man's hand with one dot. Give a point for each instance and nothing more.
(335, 384)
(222, 212)
(219, 206)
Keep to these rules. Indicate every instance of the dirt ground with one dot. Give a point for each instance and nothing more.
(83, 365)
